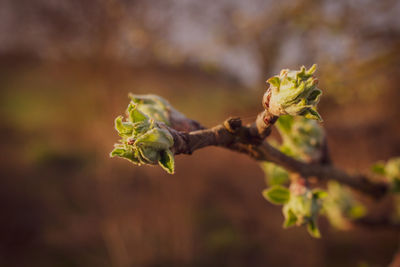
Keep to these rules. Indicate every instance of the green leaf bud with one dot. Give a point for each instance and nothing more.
(303, 208)
(144, 140)
(293, 92)
(301, 205)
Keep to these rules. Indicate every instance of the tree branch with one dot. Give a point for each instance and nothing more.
(359, 182)
(250, 140)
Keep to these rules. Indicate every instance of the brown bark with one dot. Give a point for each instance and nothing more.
(250, 140)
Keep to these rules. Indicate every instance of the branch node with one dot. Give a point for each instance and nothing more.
(233, 124)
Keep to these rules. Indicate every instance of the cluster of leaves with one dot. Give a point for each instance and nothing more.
(340, 206)
(300, 205)
(144, 140)
(293, 97)
(302, 139)
(294, 92)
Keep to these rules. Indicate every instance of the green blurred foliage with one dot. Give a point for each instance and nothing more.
(341, 207)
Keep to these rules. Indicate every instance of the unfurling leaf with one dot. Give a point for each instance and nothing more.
(290, 217)
(167, 161)
(311, 113)
(156, 138)
(274, 81)
(277, 194)
(135, 115)
(123, 128)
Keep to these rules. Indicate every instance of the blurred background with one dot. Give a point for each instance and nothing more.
(66, 68)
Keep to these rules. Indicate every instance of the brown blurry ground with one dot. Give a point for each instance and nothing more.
(64, 202)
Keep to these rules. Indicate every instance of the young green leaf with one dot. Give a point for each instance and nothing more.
(277, 194)
(313, 229)
(310, 113)
(134, 114)
(274, 81)
(117, 152)
(167, 161)
(314, 96)
(123, 128)
(149, 154)
(290, 217)
(125, 154)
